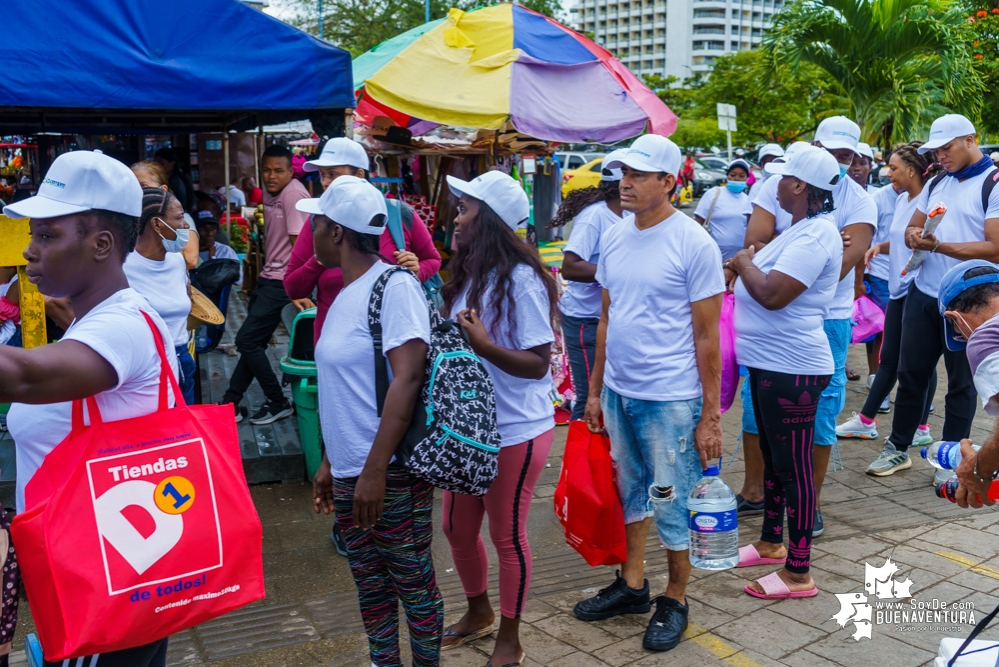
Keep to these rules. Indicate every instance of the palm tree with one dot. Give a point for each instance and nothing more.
(900, 62)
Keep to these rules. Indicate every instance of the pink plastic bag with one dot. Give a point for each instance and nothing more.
(730, 366)
(868, 320)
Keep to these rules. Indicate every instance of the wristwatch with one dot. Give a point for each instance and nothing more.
(982, 479)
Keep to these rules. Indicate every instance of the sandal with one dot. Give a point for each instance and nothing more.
(852, 375)
(745, 507)
(749, 557)
(523, 657)
(774, 588)
(463, 637)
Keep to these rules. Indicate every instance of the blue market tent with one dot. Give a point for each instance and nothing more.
(162, 65)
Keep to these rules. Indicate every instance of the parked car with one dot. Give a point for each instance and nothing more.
(706, 177)
(570, 160)
(586, 176)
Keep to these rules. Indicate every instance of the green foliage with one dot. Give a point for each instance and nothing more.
(983, 22)
(900, 63)
(359, 25)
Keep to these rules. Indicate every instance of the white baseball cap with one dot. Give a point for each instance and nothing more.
(340, 151)
(739, 162)
(651, 153)
(608, 174)
(770, 149)
(80, 181)
(946, 129)
(810, 164)
(350, 202)
(865, 150)
(794, 148)
(500, 192)
(838, 132)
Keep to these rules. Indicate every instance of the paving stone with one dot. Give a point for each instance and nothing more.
(577, 659)
(915, 553)
(726, 592)
(855, 548)
(873, 513)
(967, 540)
(842, 649)
(624, 652)
(580, 634)
(805, 658)
(769, 633)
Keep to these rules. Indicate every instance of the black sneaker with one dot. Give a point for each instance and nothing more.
(745, 507)
(818, 528)
(241, 411)
(614, 600)
(666, 625)
(337, 537)
(271, 412)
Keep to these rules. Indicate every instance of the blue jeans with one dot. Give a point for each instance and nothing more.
(652, 445)
(580, 337)
(833, 399)
(187, 368)
(748, 417)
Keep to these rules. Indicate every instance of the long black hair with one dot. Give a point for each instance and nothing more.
(580, 199)
(490, 257)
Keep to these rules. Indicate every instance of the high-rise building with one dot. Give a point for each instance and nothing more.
(674, 37)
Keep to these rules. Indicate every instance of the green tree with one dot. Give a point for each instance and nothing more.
(899, 62)
(359, 25)
(983, 21)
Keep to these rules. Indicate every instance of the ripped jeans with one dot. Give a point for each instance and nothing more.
(652, 445)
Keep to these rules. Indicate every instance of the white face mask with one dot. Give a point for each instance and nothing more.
(177, 244)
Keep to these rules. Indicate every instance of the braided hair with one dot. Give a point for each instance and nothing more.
(923, 165)
(154, 204)
(580, 199)
(819, 201)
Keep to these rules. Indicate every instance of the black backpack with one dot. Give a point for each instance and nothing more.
(453, 441)
(988, 185)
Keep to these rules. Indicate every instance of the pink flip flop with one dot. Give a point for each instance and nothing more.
(774, 588)
(749, 556)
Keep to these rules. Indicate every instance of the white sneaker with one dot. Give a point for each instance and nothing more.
(885, 406)
(870, 380)
(922, 438)
(854, 428)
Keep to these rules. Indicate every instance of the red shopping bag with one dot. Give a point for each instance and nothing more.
(730, 365)
(586, 499)
(140, 528)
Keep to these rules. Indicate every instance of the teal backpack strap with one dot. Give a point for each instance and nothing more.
(395, 223)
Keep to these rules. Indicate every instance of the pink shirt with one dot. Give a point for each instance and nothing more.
(305, 274)
(281, 220)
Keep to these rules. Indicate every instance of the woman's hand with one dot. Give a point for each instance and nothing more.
(475, 329)
(741, 260)
(369, 498)
(846, 240)
(322, 488)
(408, 260)
(873, 252)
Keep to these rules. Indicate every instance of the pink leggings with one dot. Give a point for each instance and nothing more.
(508, 503)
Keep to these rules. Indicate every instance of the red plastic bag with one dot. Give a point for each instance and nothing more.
(730, 365)
(140, 528)
(586, 499)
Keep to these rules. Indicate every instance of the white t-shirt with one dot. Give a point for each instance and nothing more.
(729, 217)
(653, 275)
(884, 199)
(758, 185)
(766, 198)
(164, 285)
(899, 254)
(236, 196)
(791, 340)
(345, 362)
(584, 299)
(117, 331)
(964, 222)
(524, 407)
(853, 206)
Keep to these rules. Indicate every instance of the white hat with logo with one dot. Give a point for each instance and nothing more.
(350, 202)
(770, 149)
(946, 129)
(80, 181)
(838, 132)
(338, 152)
(811, 165)
(651, 153)
(608, 174)
(499, 191)
(865, 150)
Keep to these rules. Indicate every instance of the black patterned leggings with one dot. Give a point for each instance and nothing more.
(785, 406)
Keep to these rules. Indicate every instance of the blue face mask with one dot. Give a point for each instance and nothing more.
(736, 186)
(843, 168)
(177, 244)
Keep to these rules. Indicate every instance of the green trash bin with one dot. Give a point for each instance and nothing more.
(299, 366)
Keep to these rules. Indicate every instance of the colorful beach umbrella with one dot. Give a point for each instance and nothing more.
(488, 66)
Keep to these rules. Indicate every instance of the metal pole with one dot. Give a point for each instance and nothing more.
(728, 133)
(426, 10)
(321, 19)
(225, 156)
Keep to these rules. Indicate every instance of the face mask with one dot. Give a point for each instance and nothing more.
(177, 244)
(736, 186)
(843, 168)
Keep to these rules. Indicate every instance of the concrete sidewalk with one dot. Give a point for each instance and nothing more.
(310, 616)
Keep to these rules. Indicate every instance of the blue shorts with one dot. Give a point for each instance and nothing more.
(833, 399)
(652, 444)
(878, 292)
(748, 418)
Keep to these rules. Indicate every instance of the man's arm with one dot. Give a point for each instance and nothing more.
(577, 269)
(593, 415)
(860, 234)
(987, 461)
(707, 348)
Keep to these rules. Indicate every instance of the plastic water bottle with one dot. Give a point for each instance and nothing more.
(714, 524)
(944, 455)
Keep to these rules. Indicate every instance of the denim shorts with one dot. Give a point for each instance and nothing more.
(748, 418)
(652, 445)
(833, 399)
